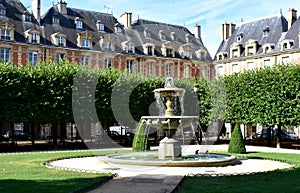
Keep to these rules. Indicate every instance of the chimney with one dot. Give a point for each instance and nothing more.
(36, 9)
(62, 7)
(126, 19)
(231, 29)
(292, 17)
(227, 30)
(197, 31)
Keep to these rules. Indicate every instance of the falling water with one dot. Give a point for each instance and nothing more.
(140, 137)
(160, 104)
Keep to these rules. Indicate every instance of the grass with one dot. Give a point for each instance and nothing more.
(26, 172)
(287, 180)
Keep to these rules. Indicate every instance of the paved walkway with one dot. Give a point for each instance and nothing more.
(149, 179)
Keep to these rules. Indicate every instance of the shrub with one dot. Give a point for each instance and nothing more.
(236, 144)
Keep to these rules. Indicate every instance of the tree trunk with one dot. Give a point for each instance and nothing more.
(269, 137)
(278, 138)
(54, 135)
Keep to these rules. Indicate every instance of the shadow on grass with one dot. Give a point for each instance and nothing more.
(54, 186)
(287, 180)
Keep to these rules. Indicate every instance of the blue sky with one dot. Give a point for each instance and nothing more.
(210, 14)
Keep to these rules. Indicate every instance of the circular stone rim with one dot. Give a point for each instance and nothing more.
(230, 160)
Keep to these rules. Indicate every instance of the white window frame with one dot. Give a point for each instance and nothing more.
(187, 71)
(5, 55)
(33, 57)
(34, 38)
(61, 41)
(85, 60)
(100, 27)
(3, 12)
(169, 70)
(130, 66)
(108, 62)
(85, 43)
(55, 20)
(5, 34)
(150, 68)
(79, 24)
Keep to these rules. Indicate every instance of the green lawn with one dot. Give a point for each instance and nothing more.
(26, 173)
(287, 180)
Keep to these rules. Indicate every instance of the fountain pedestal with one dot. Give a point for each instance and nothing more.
(169, 149)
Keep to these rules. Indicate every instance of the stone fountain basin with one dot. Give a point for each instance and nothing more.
(151, 159)
(162, 121)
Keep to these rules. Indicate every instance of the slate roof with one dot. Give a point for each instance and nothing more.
(277, 25)
(135, 34)
(292, 34)
(14, 15)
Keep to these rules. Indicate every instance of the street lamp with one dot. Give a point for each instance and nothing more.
(196, 87)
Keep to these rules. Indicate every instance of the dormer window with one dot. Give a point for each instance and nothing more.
(168, 49)
(239, 37)
(149, 49)
(162, 35)
(84, 40)
(186, 51)
(268, 48)
(100, 26)
(78, 22)
(32, 36)
(147, 33)
(2, 10)
(188, 38)
(58, 39)
(5, 34)
(27, 16)
(251, 47)
(7, 31)
(55, 20)
(129, 47)
(118, 28)
(107, 42)
(201, 54)
(235, 50)
(286, 44)
(173, 36)
(266, 31)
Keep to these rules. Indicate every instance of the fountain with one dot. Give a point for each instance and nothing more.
(169, 150)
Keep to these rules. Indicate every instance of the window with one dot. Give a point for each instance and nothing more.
(267, 63)
(34, 38)
(220, 71)
(162, 35)
(130, 48)
(286, 60)
(100, 27)
(85, 60)
(108, 46)
(148, 34)
(33, 57)
(266, 31)
(235, 68)
(2, 11)
(169, 52)
(251, 65)
(5, 55)
(149, 50)
(5, 34)
(169, 70)
(118, 28)
(59, 57)
(78, 24)
(187, 72)
(55, 20)
(150, 66)
(108, 62)
(27, 17)
(85, 43)
(60, 40)
(239, 37)
(204, 72)
(130, 66)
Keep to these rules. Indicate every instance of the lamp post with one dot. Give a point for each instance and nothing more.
(199, 132)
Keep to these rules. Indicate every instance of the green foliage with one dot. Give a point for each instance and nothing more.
(269, 96)
(236, 144)
(140, 138)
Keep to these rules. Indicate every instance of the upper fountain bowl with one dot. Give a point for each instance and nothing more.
(170, 91)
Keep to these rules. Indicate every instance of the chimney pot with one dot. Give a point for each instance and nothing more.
(197, 31)
(126, 19)
(292, 17)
